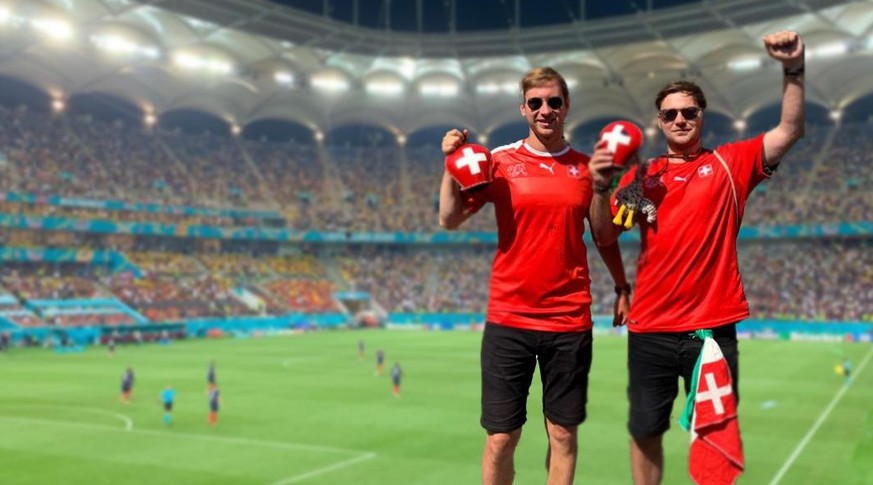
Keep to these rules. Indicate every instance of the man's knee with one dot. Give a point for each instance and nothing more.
(562, 437)
(648, 444)
(502, 443)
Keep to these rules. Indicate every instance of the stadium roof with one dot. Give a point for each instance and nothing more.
(250, 60)
(447, 16)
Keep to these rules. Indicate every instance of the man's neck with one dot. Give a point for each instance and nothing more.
(550, 145)
(684, 153)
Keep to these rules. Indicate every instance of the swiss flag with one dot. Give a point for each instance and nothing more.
(716, 455)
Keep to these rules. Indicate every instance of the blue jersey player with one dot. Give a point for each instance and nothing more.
(168, 395)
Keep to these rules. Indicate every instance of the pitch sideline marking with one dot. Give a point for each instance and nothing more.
(327, 469)
(274, 444)
(128, 421)
(821, 418)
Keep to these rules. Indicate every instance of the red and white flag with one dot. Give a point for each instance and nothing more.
(716, 455)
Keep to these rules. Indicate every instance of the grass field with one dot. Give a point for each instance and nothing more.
(304, 409)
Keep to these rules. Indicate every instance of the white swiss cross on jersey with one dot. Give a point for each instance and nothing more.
(573, 171)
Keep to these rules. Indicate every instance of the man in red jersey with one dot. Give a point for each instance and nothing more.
(539, 304)
(687, 274)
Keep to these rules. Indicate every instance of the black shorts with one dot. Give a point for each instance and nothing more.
(509, 357)
(168, 406)
(655, 362)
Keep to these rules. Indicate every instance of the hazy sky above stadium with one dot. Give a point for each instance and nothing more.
(401, 15)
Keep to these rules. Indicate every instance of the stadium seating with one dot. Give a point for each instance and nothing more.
(352, 188)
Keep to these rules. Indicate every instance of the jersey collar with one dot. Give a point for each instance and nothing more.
(541, 153)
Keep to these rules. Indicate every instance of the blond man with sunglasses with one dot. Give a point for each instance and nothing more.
(539, 308)
(687, 274)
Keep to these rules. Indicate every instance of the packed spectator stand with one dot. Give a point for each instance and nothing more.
(353, 189)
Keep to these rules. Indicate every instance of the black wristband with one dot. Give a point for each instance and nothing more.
(793, 71)
(625, 288)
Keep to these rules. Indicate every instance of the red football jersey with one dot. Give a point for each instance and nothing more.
(539, 277)
(687, 273)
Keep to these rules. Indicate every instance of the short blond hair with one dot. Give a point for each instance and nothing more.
(542, 75)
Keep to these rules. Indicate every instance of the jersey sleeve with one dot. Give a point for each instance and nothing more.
(746, 162)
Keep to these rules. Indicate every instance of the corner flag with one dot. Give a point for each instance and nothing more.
(716, 455)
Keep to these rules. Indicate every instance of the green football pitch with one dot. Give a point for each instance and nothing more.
(304, 409)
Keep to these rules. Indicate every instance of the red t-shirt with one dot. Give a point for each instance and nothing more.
(539, 277)
(687, 273)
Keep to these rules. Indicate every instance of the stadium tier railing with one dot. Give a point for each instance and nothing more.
(104, 226)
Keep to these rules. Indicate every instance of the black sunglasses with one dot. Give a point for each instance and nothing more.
(555, 102)
(689, 113)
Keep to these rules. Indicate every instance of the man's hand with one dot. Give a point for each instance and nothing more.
(454, 139)
(601, 165)
(621, 310)
(786, 47)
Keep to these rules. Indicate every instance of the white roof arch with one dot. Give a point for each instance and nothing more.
(615, 65)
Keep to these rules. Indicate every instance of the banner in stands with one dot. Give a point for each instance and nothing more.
(105, 226)
(118, 205)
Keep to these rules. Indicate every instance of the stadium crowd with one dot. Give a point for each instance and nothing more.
(338, 188)
(808, 280)
(354, 188)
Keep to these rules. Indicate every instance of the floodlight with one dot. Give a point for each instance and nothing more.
(283, 77)
(440, 90)
(330, 84)
(830, 50)
(745, 63)
(384, 88)
(53, 28)
(492, 87)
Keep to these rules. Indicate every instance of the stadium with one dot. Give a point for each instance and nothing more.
(256, 184)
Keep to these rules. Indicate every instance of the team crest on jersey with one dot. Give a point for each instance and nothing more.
(516, 170)
(574, 172)
(705, 171)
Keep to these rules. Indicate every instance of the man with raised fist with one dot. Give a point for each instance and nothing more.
(539, 302)
(688, 279)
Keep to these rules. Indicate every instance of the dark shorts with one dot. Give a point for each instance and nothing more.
(213, 407)
(168, 406)
(126, 387)
(655, 363)
(509, 358)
